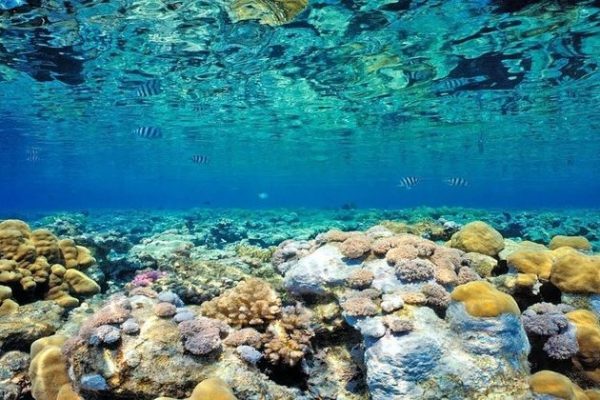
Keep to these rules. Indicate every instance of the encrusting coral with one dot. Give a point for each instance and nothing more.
(251, 303)
(32, 259)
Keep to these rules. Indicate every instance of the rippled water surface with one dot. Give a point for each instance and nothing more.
(288, 103)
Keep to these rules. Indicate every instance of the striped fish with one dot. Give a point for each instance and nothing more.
(456, 182)
(149, 88)
(452, 84)
(199, 159)
(408, 182)
(148, 132)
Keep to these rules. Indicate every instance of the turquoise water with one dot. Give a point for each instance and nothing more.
(332, 106)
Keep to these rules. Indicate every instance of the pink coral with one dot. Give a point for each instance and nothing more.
(147, 278)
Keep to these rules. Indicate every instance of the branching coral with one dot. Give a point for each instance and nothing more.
(251, 303)
(548, 324)
(287, 340)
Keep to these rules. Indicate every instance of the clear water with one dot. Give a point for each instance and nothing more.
(333, 107)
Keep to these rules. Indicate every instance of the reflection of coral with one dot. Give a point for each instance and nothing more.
(251, 303)
(268, 12)
(287, 340)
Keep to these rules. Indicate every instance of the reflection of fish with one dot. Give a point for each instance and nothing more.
(199, 159)
(456, 182)
(451, 84)
(149, 88)
(263, 195)
(408, 182)
(33, 154)
(481, 142)
(148, 132)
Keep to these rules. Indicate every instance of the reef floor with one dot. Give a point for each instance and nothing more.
(424, 303)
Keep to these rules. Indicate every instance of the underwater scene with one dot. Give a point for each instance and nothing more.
(299, 200)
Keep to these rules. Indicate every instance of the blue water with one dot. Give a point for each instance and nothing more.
(328, 107)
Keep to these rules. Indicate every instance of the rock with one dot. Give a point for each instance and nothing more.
(31, 322)
(316, 273)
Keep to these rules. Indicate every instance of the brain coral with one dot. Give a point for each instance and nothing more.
(588, 338)
(251, 303)
(29, 259)
(478, 237)
(575, 272)
(557, 385)
(576, 242)
(287, 340)
(481, 299)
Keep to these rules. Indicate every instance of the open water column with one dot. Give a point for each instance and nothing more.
(299, 199)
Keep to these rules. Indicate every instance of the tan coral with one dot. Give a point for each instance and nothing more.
(575, 242)
(251, 303)
(478, 237)
(575, 272)
(532, 262)
(46, 244)
(557, 385)
(48, 368)
(481, 299)
(381, 246)
(287, 340)
(360, 278)
(401, 252)
(75, 256)
(355, 246)
(588, 337)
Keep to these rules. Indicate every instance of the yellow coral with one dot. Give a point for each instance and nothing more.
(532, 262)
(478, 237)
(80, 283)
(75, 256)
(66, 392)
(557, 385)
(251, 303)
(588, 337)
(576, 242)
(575, 272)
(481, 299)
(46, 244)
(48, 368)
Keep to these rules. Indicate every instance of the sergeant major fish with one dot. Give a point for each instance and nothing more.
(456, 182)
(199, 159)
(408, 182)
(452, 84)
(149, 88)
(148, 132)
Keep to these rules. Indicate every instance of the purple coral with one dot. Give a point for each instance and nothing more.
(147, 278)
(414, 270)
(202, 336)
(546, 323)
(562, 346)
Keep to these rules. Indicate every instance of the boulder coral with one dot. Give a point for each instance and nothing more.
(557, 385)
(587, 328)
(31, 259)
(251, 303)
(482, 299)
(575, 242)
(575, 272)
(478, 237)
(48, 370)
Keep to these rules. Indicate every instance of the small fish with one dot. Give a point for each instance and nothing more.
(408, 182)
(456, 182)
(149, 88)
(33, 154)
(452, 84)
(263, 195)
(148, 132)
(199, 159)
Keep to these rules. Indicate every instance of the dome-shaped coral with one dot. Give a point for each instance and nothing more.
(478, 237)
(481, 299)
